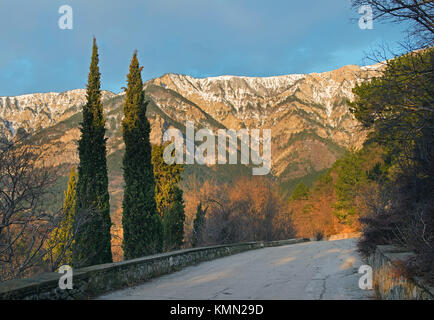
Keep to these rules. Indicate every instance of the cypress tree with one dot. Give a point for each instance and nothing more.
(173, 222)
(61, 239)
(301, 192)
(168, 195)
(198, 224)
(141, 223)
(92, 241)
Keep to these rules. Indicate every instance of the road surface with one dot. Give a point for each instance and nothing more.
(310, 270)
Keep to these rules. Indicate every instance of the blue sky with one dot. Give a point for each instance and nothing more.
(200, 38)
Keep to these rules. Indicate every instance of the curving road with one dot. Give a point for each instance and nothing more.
(311, 270)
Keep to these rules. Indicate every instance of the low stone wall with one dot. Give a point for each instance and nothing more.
(95, 280)
(389, 281)
(341, 236)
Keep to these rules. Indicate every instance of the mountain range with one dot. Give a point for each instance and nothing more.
(308, 114)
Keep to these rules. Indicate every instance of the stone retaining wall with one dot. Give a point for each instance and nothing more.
(389, 280)
(95, 280)
(341, 236)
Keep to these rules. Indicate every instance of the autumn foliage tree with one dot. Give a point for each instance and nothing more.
(312, 212)
(339, 197)
(249, 209)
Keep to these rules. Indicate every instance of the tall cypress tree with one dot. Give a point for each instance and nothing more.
(92, 241)
(168, 196)
(198, 225)
(173, 222)
(143, 233)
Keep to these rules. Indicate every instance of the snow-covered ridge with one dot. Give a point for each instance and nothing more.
(273, 84)
(243, 83)
(235, 91)
(270, 79)
(47, 97)
(242, 92)
(34, 111)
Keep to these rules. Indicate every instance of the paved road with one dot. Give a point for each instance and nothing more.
(311, 270)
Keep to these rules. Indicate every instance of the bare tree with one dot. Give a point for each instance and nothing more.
(25, 222)
(419, 13)
(248, 210)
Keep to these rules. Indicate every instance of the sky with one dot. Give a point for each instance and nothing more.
(200, 38)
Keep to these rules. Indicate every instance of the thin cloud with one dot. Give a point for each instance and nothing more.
(195, 37)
